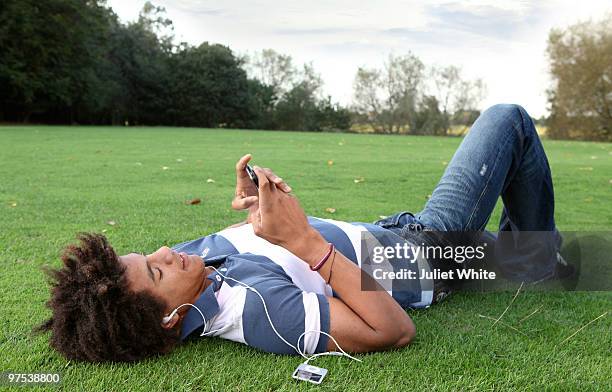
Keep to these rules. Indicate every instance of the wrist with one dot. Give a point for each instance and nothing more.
(309, 247)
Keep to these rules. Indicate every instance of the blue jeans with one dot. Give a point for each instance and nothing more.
(501, 156)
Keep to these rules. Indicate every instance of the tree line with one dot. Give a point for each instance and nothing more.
(405, 96)
(74, 62)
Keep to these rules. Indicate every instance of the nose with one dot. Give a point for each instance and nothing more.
(169, 256)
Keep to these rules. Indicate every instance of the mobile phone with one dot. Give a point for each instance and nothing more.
(252, 175)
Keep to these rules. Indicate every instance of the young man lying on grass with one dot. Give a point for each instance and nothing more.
(307, 270)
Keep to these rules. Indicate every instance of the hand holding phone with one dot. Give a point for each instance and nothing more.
(280, 184)
(247, 185)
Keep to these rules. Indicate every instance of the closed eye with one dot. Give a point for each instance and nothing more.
(150, 270)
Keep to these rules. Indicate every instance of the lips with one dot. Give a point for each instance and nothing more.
(184, 260)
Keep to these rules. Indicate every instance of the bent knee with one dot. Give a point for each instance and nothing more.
(511, 111)
(506, 117)
(507, 109)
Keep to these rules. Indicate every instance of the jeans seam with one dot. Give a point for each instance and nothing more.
(473, 213)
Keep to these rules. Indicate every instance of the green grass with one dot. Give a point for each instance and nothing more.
(56, 181)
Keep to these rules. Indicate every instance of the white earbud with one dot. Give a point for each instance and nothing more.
(167, 319)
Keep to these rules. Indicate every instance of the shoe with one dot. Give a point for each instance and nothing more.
(441, 290)
(567, 270)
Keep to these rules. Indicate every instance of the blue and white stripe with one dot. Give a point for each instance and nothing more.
(296, 297)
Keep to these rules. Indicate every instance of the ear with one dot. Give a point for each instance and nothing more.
(172, 323)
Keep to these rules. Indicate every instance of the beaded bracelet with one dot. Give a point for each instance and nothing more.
(324, 259)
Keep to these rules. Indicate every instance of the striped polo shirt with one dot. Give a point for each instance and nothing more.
(295, 296)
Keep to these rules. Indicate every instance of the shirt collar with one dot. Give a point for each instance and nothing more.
(208, 305)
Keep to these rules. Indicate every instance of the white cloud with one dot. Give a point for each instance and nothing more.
(501, 42)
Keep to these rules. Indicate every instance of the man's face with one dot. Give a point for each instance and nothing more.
(175, 278)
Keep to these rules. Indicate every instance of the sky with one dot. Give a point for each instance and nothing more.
(501, 42)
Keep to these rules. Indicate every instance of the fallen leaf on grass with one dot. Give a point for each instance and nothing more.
(383, 216)
(444, 163)
(330, 162)
(358, 180)
(330, 210)
(210, 181)
(138, 163)
(165, 168)
(112, 222)
(179, 160)
(104, 230)
(14, 204)
(193, 202)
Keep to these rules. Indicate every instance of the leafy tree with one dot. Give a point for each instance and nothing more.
(367, 98)
(296, 102)
(209, 88)
(143, 69)
(260, 106)
(389, 96)
(297, 109)
(581, 67)
(454, 94)
(332, 116)
(428, 119)
(272, 69)
(47, 52)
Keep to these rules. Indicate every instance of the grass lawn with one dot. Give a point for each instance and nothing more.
(56, 181)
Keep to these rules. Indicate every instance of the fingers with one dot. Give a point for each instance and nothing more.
(243, 203)
(240, 171)
(267, 189)
(264, 181)
(277, 180)
(241, 164)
